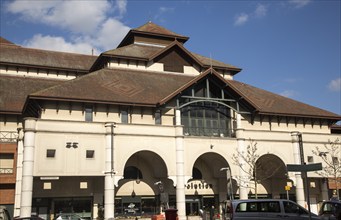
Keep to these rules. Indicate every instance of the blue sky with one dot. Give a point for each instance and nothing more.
(290, 47)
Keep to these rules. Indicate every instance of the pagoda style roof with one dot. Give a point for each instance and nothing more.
(143, 88)
(155, 33)
(15, 55)
(148, 53)
(152, 28)
(116, 86)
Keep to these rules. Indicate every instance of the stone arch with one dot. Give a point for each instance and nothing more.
(150, 168)
(210, 173)
(271, 174)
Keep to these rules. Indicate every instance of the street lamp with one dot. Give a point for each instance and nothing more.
(228, 179)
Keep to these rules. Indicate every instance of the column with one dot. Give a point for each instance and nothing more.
(180, 177)
(297, 160)
(243, 187)
(27, 167)
(18, 179)
(109, 187)
(324, 189)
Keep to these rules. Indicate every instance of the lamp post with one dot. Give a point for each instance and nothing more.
(228, 179)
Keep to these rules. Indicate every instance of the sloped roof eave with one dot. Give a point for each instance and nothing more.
(176, 43)
(43, 67)
(31, 97)
(336, 118)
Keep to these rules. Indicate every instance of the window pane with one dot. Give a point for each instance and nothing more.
(158, 117)
(6, 163)
(88, 114)
(124, 116)
(50, 153)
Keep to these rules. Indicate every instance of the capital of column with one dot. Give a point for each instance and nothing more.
(108, 127)
(30, 124)
(294, 136)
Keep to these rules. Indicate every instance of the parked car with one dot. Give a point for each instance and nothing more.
(69, 216)
(330, 210)
(4, 214)
(266, 209)
(32, 217)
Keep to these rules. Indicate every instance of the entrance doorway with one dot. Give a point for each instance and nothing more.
(193, 206)
(79, 206)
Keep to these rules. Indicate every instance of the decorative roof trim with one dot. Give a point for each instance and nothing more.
(174, 44)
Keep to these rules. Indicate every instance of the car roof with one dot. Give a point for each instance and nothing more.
(259, 200)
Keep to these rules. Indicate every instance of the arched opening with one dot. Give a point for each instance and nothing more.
(270, 172)
(137, 193)
(208, 186)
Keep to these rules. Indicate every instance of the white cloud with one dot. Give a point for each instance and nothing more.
(160, 13)
(110, 34)
(88, 22)
(58, 44)
(241, 19)
(299, 3)
(260, 11)
(76, 16)
(122, 6)
(288, 93)
(335, 85)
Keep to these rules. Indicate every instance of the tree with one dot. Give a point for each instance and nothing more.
(331, 158)
(251, 165)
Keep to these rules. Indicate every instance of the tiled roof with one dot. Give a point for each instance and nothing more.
(124, 86)
(14, 91)
(116, 86)
(5, 41)
(150, 27)
(215, 63)
(134, 51)
(146, 52)
(266, 102)
(22, 56)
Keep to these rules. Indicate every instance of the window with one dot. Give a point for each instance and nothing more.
(290, 207)
(6, 163)
(271, 206)
(335, 161)
(90, 154)
(124, 116)
(310, 159)
(158, 117)
(88, 114)
(50, 153)
(206, 119)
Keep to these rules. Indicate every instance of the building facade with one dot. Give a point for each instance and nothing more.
(148, 126)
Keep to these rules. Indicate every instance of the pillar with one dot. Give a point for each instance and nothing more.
(243, 183)
(324, 189)
(18, 179)
(27, 167)
(297, 160)
(180, 177)
(109, 186)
